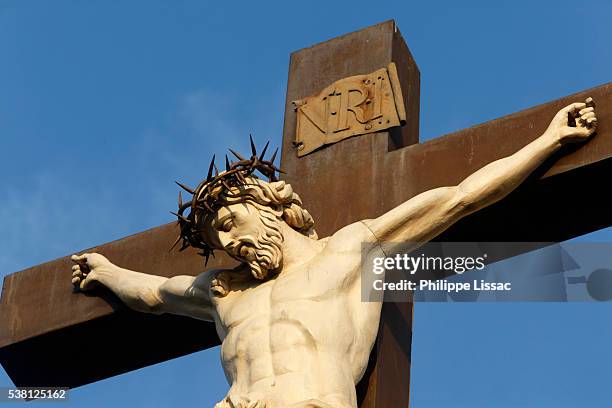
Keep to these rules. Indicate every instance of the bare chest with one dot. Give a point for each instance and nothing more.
(297, 308)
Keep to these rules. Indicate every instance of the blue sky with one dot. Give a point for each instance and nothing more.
(104, 104)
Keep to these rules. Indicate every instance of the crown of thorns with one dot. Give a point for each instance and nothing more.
(205, 197)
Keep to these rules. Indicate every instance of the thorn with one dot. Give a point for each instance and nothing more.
(178, 239)
(181, 217)
(279, 170)
(184, 187)
(216, 170)
(236, 154)
(210, 168)
(180, 201)
(263, 153)
(227, 165)
(253, 149)
(273, 156)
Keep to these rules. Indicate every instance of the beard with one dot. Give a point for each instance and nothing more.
(262, 253)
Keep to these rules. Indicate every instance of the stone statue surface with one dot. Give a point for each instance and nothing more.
(294, 330)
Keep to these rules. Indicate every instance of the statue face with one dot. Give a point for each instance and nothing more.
(249, 235)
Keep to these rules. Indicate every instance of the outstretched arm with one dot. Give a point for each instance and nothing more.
(183, 295)
(423, 217)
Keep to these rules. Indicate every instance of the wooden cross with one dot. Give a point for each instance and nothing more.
(41, 319)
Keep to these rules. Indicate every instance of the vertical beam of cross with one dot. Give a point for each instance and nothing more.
(334, 204)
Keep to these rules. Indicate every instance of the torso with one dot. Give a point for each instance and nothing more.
(303, 334)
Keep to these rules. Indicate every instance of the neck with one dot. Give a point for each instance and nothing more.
(297, 248)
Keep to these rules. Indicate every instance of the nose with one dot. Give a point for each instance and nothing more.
(224, 239)
(228, 241)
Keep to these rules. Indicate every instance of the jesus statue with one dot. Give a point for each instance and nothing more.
(294, 329)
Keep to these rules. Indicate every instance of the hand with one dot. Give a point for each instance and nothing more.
(88, 268)
(583, 114)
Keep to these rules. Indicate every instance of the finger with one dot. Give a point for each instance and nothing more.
(583, 119)
(79, 258)
(76, 267)
(587, 115)
(79, 273)
(75, 281)
(574, 107)
(586, 110)
(83, 285)
(591, 122)
(87, 284)
(590, 102)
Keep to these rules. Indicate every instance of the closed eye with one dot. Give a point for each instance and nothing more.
(227, 225)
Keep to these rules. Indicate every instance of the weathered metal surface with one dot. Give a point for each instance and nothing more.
(351, 106)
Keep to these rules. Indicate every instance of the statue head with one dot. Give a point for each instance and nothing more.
(242, 214)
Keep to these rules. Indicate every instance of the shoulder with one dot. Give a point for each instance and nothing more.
(351, 237)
